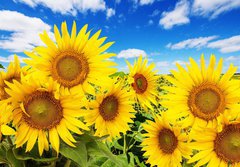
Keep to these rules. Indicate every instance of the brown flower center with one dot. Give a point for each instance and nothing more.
(140, 83)
(43, 110)
(227, 144)
(167, 141)
(206, 101)
(109, 108)
(70, 68)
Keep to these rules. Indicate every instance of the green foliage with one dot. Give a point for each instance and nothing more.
(1, 66)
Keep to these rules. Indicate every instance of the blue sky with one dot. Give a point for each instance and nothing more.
(167, 31)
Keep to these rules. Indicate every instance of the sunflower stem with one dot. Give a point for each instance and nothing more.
(9, 140)
(124, 144)
(68, 163)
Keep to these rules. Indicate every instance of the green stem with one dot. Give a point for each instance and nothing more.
(68, 163)
(9, 140)
(124, 144)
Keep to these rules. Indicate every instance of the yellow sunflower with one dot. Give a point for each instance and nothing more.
(218, 146)
(202, 94)
(75, 59)
(111, 111)
(13, 73)
(165, 145)
(143, 82)
(44, 111)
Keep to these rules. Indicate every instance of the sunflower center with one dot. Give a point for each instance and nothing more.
(227, 144)
(206, 101)
(43, 110)
(109, 108)
(140, 83)
(167, 141)
(70, 68)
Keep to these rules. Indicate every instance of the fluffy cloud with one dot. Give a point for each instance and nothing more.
(69, 6)
(131, 53)
(192, 43)
(10, 59)
(110, 12)
(227, 45)
(213, 8)
(150, 22)
(180, 62)
(233, 58)
(204, 8)
(178, 16)
(146, 2)
(155, 13)
(162, 64)
(24, 31)
(142, 2)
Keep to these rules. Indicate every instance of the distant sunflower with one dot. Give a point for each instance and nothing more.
(202, 95)
(111, 111)
(143, 82)
(165, 145)
(5, 118)
(42, 110)
(217, 147)
(13, 73)
(74, 60)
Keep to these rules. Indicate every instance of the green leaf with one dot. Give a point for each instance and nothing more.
(1, 66)
(13, 162)
(78, 154)
(118, 74)
(3, 157)
(20, 154)
(102, 149)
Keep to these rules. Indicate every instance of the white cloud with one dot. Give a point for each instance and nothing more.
(192, 43)
(24, 31)
(131, 53)
(142, 2)
(150, 22)
(227, 45)
(155, 13)
(178, 16)
(146, 2)
(124, 69)
(10, 59)
(162, 64)
(155, 54)
(110, 12)
(213, 8)
(180, 62)
(233, 58)
(68, 6)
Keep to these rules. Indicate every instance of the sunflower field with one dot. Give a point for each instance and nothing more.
(69, 106)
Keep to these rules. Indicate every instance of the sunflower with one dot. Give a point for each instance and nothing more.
(13, 73)
(43, 110)
(111, 111)
(5, 118)
(165, 145)
(143, 82)
(201, 95)
(218, 146)
(74, 60)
